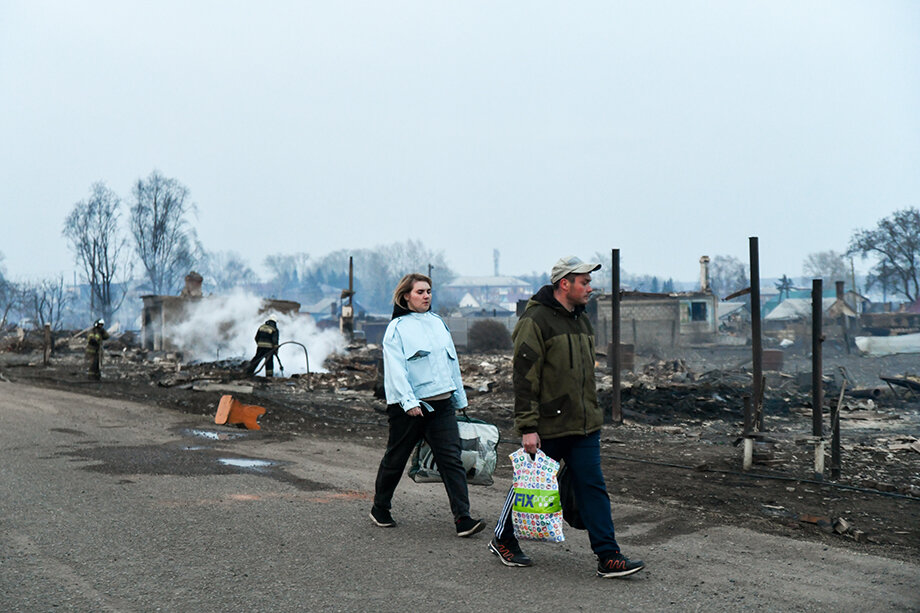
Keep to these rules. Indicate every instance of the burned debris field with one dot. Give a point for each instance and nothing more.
(677, 447)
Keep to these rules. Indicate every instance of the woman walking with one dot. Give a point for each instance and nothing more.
(423, 390)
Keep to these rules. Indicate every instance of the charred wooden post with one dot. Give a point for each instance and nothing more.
(46, 345)
(756, 330)
(817, 369)
(615, 414)
(835, 435)
(817, 389)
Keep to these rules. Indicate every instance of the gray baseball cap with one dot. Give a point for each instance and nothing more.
(571, 264)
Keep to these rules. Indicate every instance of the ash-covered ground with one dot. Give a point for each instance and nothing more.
(678, 444)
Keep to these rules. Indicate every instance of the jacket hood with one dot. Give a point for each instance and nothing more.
(399, 310)
(545, 297)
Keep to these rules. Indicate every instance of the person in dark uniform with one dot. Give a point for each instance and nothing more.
(94, 348)
(266, 346)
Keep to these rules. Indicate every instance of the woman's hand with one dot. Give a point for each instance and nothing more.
(414, 412)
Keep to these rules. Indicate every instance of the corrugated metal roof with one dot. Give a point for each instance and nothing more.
(796, 308)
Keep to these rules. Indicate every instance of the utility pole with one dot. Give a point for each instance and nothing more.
(616, 410)
(817, 371)
(756, 332)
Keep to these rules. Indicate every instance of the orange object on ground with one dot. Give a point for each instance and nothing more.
(232, 411)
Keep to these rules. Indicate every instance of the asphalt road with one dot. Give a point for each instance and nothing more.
(109, 505)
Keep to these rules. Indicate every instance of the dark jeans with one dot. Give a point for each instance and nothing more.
(582, 455)
(263, 352)
(440, 430)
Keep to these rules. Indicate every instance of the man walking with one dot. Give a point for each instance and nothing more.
(266, 346)
(555, 409)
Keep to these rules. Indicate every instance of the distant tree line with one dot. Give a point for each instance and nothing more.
(42, 302)
(377, 270)
(159, 237)
(894, 245)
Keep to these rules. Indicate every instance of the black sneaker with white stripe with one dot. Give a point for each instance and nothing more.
(618, 565)
(382, 518)
(467, 526)
(509, 553)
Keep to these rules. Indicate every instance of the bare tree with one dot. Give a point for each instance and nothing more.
(9, 295)
(378, 270)
(895, 243)
(92, 229)
(45, 301)
(827, 265)
(164, 241)
(10, 298)
(727, 275)
(289, 270)
(224, 270)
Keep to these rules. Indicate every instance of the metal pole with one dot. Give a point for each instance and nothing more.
(748, 416)
(616, 410)
(817, 390)
(756, 331)
(748, 458)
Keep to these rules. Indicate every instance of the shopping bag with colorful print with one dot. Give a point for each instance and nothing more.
(537, 511)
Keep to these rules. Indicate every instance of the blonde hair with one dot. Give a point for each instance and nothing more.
(405, 286)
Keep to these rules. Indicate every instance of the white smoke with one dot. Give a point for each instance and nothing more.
(224, 327)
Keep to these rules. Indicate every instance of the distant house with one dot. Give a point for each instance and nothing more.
(651, 321)
(791, 319)
(162, 314)
(729, 312)
(496, 290)
(793, 309)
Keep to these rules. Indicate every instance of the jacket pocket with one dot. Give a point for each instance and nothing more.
(555, 408)
(419, 367)
(524, 361)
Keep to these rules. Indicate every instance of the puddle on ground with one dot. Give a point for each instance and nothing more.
(177, 458)
(212, 434)
(246, 463)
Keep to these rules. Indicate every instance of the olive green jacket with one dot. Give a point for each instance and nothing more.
(554, 388)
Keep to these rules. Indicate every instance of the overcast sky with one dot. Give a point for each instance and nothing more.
(668, 130)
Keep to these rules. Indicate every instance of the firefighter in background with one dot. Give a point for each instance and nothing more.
(266, 346)
(94, 348)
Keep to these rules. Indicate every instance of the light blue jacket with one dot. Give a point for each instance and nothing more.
(420, 361)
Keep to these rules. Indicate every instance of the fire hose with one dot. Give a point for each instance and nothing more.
(274, 354)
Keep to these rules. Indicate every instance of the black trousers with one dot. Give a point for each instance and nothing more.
(439, 428)
(92, 361)
(269, 355)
